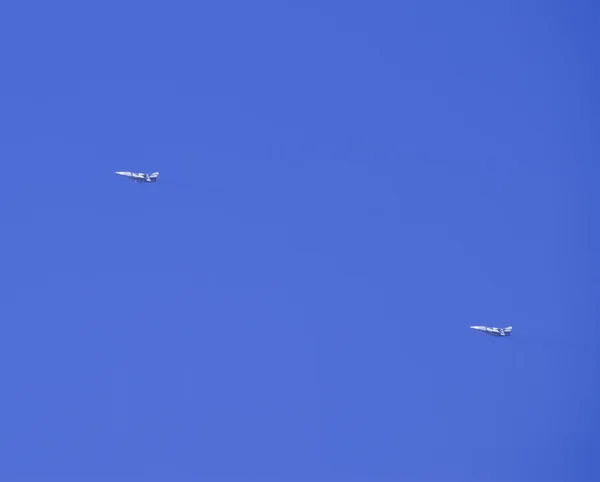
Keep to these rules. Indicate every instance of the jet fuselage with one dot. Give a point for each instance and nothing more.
(139, 176)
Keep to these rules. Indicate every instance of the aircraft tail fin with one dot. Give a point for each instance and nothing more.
(507, 330)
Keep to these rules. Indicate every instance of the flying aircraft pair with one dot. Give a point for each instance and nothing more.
(142, 177)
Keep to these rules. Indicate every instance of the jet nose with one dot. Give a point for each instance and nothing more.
(122, 173)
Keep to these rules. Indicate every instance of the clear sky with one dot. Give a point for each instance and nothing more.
(345, 188)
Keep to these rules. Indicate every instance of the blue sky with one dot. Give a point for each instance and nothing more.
(345, 187)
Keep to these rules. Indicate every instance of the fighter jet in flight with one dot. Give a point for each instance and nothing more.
(139, 176)
(491, 330)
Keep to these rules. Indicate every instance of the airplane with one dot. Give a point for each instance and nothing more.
(491, 330)
(139, 176)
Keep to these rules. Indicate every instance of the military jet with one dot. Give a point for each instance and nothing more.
(491, 330)
(139, 176)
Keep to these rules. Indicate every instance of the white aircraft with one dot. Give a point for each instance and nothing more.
(139, 176)
(490, 330)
